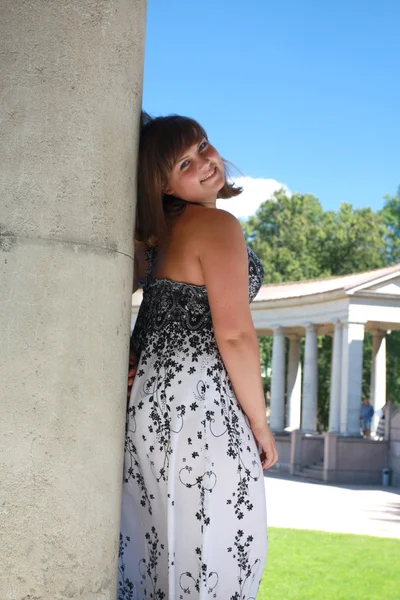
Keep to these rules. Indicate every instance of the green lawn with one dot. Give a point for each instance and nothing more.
(314, 565)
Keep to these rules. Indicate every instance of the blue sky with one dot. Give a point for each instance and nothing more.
(303, 92)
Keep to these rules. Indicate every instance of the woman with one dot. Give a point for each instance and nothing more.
(193, 519)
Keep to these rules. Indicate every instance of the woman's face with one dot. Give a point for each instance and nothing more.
(198, 175)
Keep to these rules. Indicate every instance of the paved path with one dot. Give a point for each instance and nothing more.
(303, 504)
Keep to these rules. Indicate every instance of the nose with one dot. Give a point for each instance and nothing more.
(204, 163)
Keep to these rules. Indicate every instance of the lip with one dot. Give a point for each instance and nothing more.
(211, 177)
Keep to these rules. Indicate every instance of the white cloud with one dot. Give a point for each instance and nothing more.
(255, 192)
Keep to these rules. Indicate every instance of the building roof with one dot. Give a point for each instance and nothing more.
(346, 283)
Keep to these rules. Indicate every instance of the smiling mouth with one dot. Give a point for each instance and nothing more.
(209, 175)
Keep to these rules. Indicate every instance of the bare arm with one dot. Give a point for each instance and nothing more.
(224, 260)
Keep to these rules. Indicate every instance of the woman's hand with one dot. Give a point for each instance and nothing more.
(264, 437)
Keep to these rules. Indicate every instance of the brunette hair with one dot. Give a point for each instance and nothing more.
(162, 142)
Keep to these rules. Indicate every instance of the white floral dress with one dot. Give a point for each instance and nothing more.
(193, 520)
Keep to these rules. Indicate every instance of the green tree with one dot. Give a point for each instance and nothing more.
(296, 240)
(284, 233)
(391, 216)
(351, 241)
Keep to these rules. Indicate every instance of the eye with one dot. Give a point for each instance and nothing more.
(183, 165)
(203, 145)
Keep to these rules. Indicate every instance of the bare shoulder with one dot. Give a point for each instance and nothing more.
(216, 217)
(224, 262)
(213, 228)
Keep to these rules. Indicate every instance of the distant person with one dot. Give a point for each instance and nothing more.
(366, 414)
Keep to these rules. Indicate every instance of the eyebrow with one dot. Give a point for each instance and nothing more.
(195, 144)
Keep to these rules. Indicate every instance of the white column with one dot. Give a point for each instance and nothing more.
(352, 355)
(334, 404)
(71, 77)
(310, 381)
(278, 381)
(378, 373)
(294, 384)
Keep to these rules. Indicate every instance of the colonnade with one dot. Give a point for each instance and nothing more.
(299, 382)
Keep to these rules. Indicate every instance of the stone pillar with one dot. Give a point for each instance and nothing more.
(310, 381)
(278, 381)
(71, 76)
(294, 384)
(296, 438)
(334, 404)
(330, 456)
(352, 354)
(378, 374)
(388, 416)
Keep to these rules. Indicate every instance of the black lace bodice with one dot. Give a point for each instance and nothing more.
(172, 305)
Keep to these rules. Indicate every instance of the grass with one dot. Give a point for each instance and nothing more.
(314, 565)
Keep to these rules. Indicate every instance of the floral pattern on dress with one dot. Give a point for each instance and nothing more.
(193, 521)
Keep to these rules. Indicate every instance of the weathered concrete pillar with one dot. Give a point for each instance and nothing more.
(294, 383)
(310, 381)
(334, 404)
(351, 378)
(71, 77)
(378, 374)
(278, 381)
